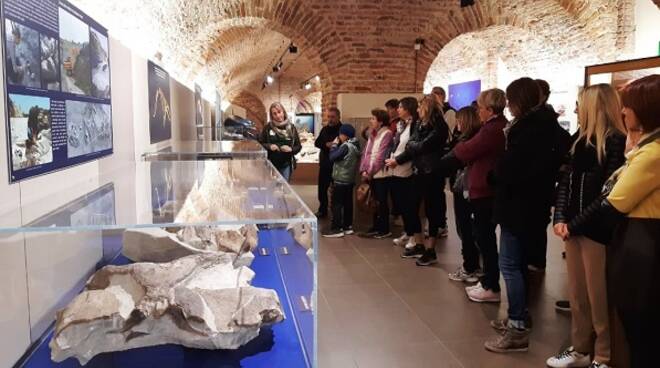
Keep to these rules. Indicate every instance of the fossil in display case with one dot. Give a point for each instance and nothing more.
(160, 245)
(199, 301)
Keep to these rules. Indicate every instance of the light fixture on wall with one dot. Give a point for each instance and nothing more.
(293, 48)
(465, 3)
(307, 84)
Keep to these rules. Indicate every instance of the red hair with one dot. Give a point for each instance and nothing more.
(643, 97)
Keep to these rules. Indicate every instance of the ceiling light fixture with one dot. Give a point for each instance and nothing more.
(293, 48)
(269, 79)
(317, 78)
(308, 86)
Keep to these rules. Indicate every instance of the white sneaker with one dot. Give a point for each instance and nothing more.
(481, 295)
(461, 275)
(401, 241)
(476, 286)
(569, 358)
(411, 243)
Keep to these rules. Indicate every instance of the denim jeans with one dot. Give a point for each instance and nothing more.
(513, 264)
(286, 172)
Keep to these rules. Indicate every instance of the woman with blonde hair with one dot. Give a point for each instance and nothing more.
(280, 138)
(427, 142)
(598, 152)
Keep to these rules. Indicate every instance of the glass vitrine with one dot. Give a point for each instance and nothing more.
(164, 264)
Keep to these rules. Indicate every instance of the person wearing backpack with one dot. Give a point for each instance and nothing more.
(280, 138)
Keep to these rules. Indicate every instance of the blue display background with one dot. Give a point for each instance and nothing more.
(29, 13)
(286, 344)
(462, 94)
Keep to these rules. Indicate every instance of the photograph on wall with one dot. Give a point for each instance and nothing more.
(304, 123)
(30, 126)
(57, 79)
(89, 128)
(98, 46)
(75, 54)
(50, 62)
(199, 106)
(160, 118)
(22, 55)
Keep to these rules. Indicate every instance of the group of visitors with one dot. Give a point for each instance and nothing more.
(603, 183)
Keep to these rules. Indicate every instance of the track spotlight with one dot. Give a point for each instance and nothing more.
(308, 86)
(277, 67)
(317, 78)
(269, 79)
(465, 3)
(293, 48)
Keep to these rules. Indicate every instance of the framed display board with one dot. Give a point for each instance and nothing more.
(621, 72)
(160, 114)
(304, 123)
(199, 106)
(57, 85)
(462, 94)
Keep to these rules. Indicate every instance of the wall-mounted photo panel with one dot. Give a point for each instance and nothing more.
(160, 114)
(57, 84)
(199, 106)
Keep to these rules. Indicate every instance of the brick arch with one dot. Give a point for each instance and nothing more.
(561, 22)
(295, 19)
(657, 2)
(256, 111)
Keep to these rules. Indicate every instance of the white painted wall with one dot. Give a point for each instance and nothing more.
(359, 105)
(647, 28)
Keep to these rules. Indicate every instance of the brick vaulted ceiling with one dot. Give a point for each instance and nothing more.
(354, 45)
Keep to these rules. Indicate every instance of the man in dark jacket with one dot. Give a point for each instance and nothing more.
(324, 141)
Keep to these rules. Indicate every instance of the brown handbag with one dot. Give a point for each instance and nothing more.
(365, 197)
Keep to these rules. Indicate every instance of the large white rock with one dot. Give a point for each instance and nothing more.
(200, 301)
(159, 245)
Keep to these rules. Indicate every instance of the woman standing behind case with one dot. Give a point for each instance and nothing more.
(280, 138)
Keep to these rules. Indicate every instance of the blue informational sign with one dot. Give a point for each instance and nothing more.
(57, 84)
(462, 94)
(160, 112)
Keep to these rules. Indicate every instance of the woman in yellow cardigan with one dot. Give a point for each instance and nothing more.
(633, 193)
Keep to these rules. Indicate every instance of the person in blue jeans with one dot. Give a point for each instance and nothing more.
(524, 182)
(345, 157)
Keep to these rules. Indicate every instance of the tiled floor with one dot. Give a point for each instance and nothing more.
(378, 310)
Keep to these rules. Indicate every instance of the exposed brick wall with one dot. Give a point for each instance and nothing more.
(256, 111)
(359, 46)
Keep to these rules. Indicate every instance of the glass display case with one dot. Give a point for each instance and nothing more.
(621, 72)
(208, 150)
(163, 264)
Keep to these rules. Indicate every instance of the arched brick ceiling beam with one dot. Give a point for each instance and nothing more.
(475, 55)
(256, 110)
(546, 19)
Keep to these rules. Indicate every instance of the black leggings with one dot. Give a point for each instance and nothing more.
(381, 188)
(430, 189)
(465, 228)
(406, 200)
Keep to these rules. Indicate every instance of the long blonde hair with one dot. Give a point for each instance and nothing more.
(428, 107)
(599, 116)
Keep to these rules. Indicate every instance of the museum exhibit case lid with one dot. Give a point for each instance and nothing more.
(232, 192)
(172, 195)
(208, 150)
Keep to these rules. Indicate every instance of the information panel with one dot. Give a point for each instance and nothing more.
(160, 114)
(57, 82)
(199, 108)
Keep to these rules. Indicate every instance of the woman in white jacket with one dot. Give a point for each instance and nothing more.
(372, 169)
